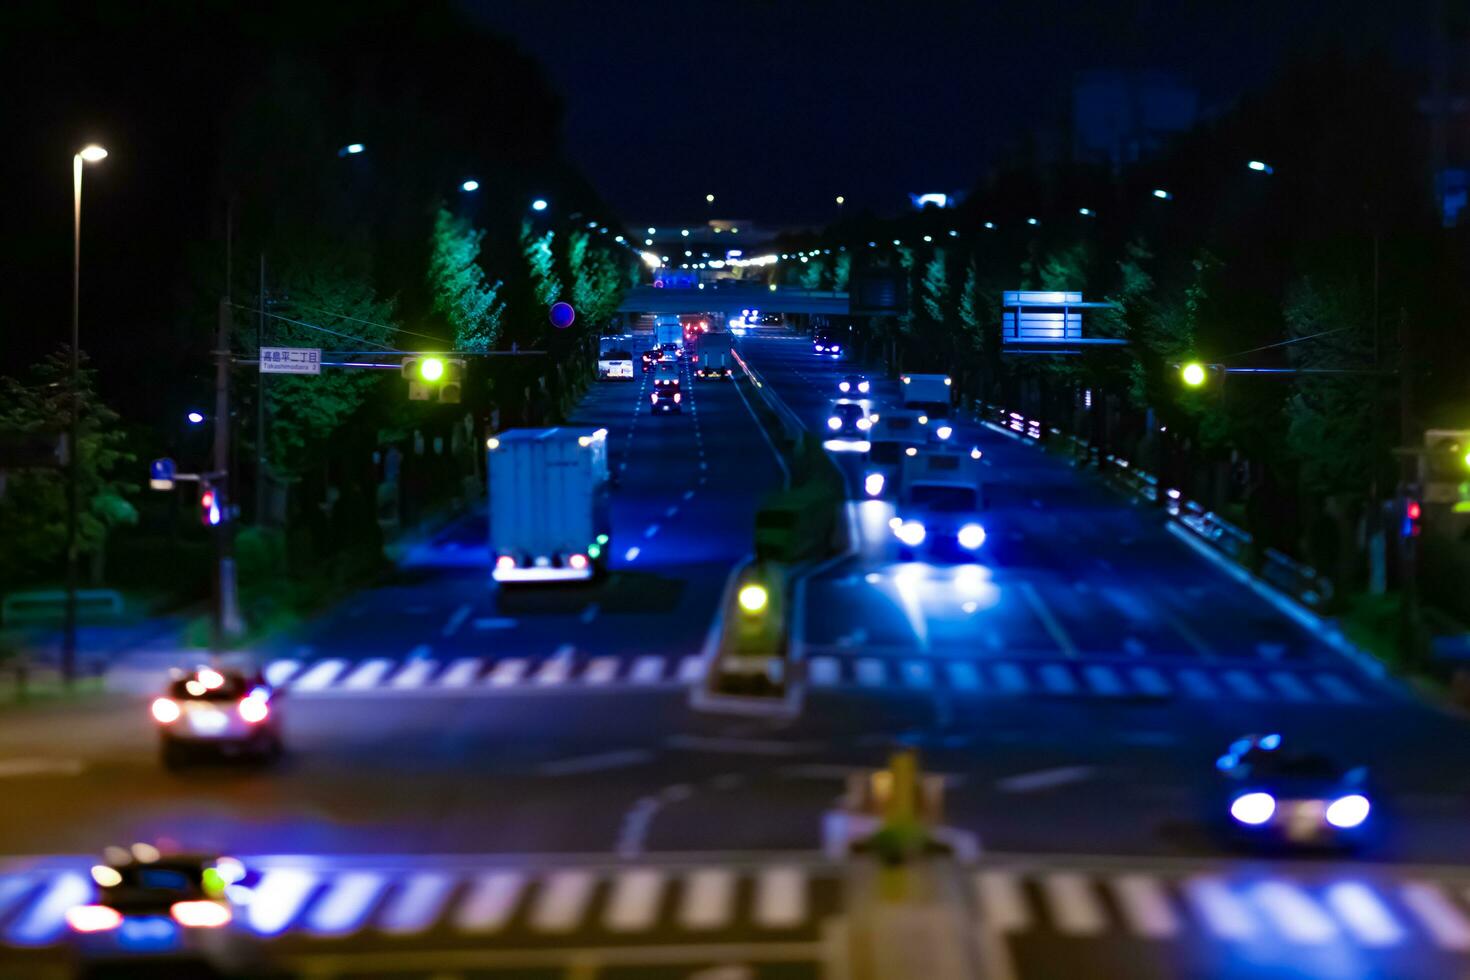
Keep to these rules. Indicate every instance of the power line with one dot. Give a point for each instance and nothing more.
(372, 323)
(1285, 343)
(313, 326)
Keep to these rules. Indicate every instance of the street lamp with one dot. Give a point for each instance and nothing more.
(1261, 167)
(709, 199)
(91, 153)
(841, 200)
(195, 418)
(351, 150)
(470, 186)
(539, 204)
(1162, 194)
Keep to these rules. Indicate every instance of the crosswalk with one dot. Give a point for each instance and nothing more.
(1235, 907)
(332, 676)
(482, 902)
(1078, 678)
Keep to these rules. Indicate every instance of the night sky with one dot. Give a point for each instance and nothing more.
(776, 106)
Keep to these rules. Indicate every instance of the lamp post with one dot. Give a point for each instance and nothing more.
(90, 153)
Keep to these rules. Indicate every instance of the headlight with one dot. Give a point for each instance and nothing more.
(923, 420)
(863, 387)
(844, 387)
(834, 423)
(1348, 812)
(971, 536)
(911, 533)
(1253, 808)
(166, 711)
(835, 349)
(864, 424)
(873, 484)
(944, 432)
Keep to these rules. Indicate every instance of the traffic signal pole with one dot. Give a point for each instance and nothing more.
(226, 606)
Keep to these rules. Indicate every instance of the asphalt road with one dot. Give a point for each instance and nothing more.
(1072, 688)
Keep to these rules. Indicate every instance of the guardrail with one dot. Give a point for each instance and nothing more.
(791, 426)
(1299, 580)
(50, 604)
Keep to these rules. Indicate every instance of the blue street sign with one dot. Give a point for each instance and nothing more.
(161, 474)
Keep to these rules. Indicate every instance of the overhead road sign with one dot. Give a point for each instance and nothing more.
(290, 360)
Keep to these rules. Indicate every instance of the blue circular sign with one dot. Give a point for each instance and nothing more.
(562, 315)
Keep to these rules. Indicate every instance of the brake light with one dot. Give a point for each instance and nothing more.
(505, 561)
(578, 562)
(254, 709)
(677, 397)
(93, 918)
(200, 914)
(166, 711)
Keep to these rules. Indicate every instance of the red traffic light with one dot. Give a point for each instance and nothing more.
(1412, 510)
(209, 512)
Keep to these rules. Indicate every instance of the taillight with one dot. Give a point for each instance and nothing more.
(166, 711)
(93, 918)
(505, 561)
(655, 398)
(677, 397)
(201, 914)
(254, 709)
(578, 562)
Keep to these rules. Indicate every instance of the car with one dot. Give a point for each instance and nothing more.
(666, 375)
(148, 908)
(615, 365)
(673, 351)
(849, 419)
(937, 513)
(853, 384)
(219, 711)
(667, 400)
(651, 357)
(1288, 796)
(826, 347)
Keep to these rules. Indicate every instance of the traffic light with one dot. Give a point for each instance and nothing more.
(1413, 511)
(209, 509)
(1193, 374)
(433, 377)
(1446, 456)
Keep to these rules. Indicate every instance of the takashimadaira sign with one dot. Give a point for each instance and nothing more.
(290, 360)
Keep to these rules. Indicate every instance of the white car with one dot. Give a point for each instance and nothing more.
(220, 711)
(615, 365)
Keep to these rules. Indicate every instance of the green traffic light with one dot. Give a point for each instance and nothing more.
(431, 369)
(752, 598)
(1193, 374)
(1466, 459)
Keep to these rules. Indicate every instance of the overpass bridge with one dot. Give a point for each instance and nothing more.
(731, 299)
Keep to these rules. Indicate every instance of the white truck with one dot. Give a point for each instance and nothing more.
(548, 504)
(896, 431)
(615, 364)
(930, 393)
(668, 330)
(712, 360)
(939, 502)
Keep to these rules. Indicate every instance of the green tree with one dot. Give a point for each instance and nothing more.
(813, 270)
(841, 272)
(541, 265)
(597, 281)
(323, 304)
(935, 289)
(458, 286)
(33, 505)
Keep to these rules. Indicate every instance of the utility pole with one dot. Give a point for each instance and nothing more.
(73, 471)
(226, 611)
(260, 433)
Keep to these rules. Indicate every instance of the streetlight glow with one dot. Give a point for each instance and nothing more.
(539, 204)
(92, 153)
(470, 185)
(195, 417)
(1261, 167)
(841, 199)
(351, 149)
(1162, 194)
(709, 198)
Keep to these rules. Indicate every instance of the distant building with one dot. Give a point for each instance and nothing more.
(1121, 117)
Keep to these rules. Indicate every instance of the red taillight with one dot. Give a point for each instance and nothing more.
(677, 397)
(254, 709)
(578, 562)
(93, 918)
(505, 561)
(166, 711)
(201, 914)
(655, 398)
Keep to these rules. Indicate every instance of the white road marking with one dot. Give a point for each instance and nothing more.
(647, 670)
(708, 900)
(1048, 621)
(1145, 905)
(456, 620)
(916, 673)
(319, 675)
(870, 672)
(555, 670)
(345, 906)
(964, 676)
(736, 746)
(1294, 913)
(1002, 905)
(635, 900)
(1011, 678)
(1103, 680)
(688, 494)
(1337, 688)
(1444, 921)
(417, 904)
(600, 670)
(600, 762)
(45, 920)
(1075, 909)
(1289, 685)
(590, 613)
(1197, 684)
(652, 530)
(562, 900)
(672, 511)
(1364, 914)
(1041, 779)
(631, 553)
(824, 671)
(508, 671)
(495, 623)
(691, 668)
(1057, 679)
(415, 674)
(462, 672)
(368, 674)
(1221, 909)
(278, 898)
(41, 767)
(277, 672)
(490, 902)
(780, 898)
(1149, 680)
(1244, 685)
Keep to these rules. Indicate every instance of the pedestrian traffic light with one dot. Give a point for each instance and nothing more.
(209, 509)
(1412, 513)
